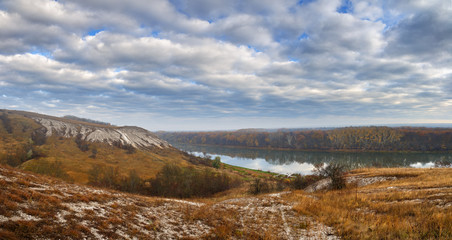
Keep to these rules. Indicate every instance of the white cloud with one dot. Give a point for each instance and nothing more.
(228, 58)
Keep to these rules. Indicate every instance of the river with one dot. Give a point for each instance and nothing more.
(290, 161)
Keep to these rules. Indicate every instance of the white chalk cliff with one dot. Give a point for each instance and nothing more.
(135, 136)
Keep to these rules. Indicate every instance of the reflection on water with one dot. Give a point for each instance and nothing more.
(264, 165)
(423, 165)
(288, 162)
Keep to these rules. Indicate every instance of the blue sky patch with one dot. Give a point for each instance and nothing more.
(303, 36)
(346, 7)
(42, 52)
(93, 32)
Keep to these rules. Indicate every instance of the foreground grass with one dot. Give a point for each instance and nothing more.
(39, 207)
(416, 205)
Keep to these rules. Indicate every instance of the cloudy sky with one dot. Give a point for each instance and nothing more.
(229, 64)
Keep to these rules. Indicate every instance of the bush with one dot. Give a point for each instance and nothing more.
(334, 171)
(174, 181)
(104, 176)
(216, 163)
(128, 147)
(53, 169)
(6, 123)
(93, 153)
(259, 186)
(300, 182)
(39, 136)
(18, 154)
(133, 183)
(82, 144)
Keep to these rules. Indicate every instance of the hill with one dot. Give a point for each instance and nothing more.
(69, 148)
(34, 206)
(376, 204)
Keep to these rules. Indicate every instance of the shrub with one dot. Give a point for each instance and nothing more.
(54, 169)
(82, 144)
(18, 154)
(334, 171)
(300, 182)
(6, 123)
(104, 176)
(174, 181)
(39, 136)
(259, 186)
(93, 153)
(216, 162)
(133, 183)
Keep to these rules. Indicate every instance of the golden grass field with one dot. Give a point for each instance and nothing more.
(417, 205)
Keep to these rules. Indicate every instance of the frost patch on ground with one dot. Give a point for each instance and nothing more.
(359, 181)
(92, 213)
(364, 181)
(20, 217)
(185, 202)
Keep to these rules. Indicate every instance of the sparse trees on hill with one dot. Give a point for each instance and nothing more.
(171, 181)
(129, 148)
(6, 123)
(82, 144)
(39, 136)
(174, 181)
(49, 168)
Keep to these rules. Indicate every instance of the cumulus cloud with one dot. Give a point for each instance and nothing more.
(241, 60)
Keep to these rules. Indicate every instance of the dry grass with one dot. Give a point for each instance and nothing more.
(76, 162)
(418, 205)
(34, 206)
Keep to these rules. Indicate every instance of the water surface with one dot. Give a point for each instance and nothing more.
(289, 161)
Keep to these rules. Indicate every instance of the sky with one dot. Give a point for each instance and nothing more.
(218, 65)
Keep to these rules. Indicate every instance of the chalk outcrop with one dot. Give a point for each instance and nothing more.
(134, 136)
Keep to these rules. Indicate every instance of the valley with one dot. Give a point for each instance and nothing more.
(67, 178)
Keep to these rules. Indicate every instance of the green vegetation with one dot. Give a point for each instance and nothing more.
(216, 162)
(350, 138)
(53, 169)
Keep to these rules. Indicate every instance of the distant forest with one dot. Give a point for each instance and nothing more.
(349, 138)
(86, 120)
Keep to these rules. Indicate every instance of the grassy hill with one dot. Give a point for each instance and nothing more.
(22, 145)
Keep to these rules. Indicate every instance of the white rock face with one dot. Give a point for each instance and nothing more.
(135, 136)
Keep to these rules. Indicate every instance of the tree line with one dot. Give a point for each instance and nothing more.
(171, 181)
(349, 138)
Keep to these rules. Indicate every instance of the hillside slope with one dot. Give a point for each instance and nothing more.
(134, 136)
(33, 206)
(41, 143)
